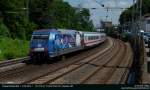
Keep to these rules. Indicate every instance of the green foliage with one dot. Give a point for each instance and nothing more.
(126, 16)
(9, 55)
(3, 30)
(126, 36)
(112, 32)
(15, 18)
(13, 48)
(41, 14)
(145, 6)
(59, 14)
(24, 29)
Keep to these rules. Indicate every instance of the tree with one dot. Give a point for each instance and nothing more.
(40, 12)
(74, 18)
(15, 18)
(126, 16)
(24, 16)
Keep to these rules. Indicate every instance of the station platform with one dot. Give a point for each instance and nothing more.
(145, 78)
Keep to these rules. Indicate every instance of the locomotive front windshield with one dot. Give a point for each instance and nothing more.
(45, 38)
(40, 40)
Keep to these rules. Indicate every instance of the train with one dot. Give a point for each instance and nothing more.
(50, 43)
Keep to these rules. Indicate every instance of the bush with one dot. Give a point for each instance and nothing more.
(13, 48)
(126, 36)
(3, 30)
(24, 29)
(9, 55)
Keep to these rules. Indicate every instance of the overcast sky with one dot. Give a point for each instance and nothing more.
(100, 12)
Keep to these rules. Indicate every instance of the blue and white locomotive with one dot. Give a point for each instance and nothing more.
(49, 43)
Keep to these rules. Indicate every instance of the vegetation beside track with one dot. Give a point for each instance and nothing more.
(13, 48)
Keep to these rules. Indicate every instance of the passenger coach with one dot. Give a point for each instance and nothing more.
(93, 38)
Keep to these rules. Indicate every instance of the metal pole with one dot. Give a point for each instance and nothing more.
(133, 29)
(141, 14)
(107, 15)
(27, 8)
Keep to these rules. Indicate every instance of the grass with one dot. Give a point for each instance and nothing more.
(13, 48)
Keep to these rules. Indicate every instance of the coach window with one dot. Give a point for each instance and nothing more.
(148, 21)
(89, 38)
(86, 38)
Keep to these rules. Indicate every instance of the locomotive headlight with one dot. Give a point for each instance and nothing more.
(31, 49)
(45, 49)
(39, 45)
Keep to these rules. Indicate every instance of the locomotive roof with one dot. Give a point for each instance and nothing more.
(48, 31)
(91, 32)
(67, 31)
(44, 31)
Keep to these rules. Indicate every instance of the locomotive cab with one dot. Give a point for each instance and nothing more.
(41, 45)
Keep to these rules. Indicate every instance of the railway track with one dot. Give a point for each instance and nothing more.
(68, 69)
(107, 64)
(83, 72)
(92, 64)
(13, 64)
(13, 61)
(22, 74)
(110, 63)
(77, 64)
